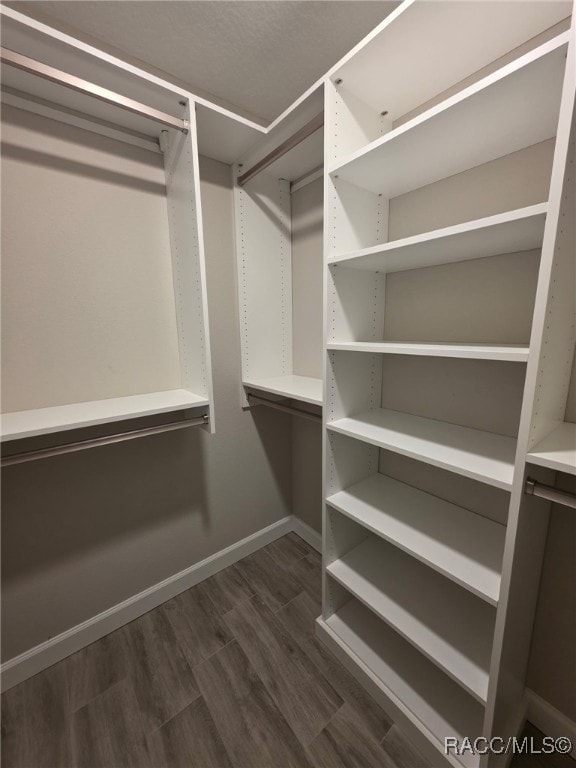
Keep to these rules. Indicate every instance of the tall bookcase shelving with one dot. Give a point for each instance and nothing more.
(159, 120)
(263, 223)
(446, 195)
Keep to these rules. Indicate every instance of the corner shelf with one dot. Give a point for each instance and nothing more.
(503, 352)
(419, 690)
(557, 450)
(479, 455)
(510, 232)
(44, 421)
(487, 120)
(303, 388)
(424, 608)
(461, 545)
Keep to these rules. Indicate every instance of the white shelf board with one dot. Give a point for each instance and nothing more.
(467, 37)
(303, 388)
(505, 352)
(479, 455)
(557, 450)
(487, 120)
(463, 546)
(43, 421)
(509, 232)
(448, 625)
(431, 699)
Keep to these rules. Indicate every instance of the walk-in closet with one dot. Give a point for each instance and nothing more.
(288, 384)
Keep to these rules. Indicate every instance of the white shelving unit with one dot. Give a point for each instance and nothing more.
(478, 455)
(433, 205)
(459, 544)
(520, 230)
(43, 421)
(178, 148)
(264, 258)
(303, 388)
(557, 450)
(506, 352)
(420, 605)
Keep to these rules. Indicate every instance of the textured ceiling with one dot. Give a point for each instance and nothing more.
(256, 55)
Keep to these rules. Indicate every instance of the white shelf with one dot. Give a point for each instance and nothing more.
(302, 388)
(43, 421)
(557, 450)
(463, 546)
(447, 624)
(510, 232)
(487, 120)
(479, 455)
(506, 352)
(434, 703)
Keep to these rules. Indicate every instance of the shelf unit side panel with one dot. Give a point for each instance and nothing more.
(354, 124)
(184, 216)
(263, 254)
(348, 461)
(356, 218)
(357, 305)
(559, 333)
(519, 587)
(353, 384)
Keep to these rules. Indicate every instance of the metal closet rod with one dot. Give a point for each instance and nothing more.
(285, 408)
(297, 138)
(534, 488)
(26, 64)
(96, 442)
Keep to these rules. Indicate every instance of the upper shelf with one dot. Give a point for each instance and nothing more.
(513, 108)
(303, 388)
(455, 40)
(557, 450)
(479, 455)
(509, 232)
(43, 421)
(503, 352)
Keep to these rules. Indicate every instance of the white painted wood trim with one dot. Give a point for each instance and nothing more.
(44, 655)
(306, 532)
(549, 720)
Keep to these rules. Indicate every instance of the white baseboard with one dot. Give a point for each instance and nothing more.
(55, 649)
(307, 533)
(550, 720)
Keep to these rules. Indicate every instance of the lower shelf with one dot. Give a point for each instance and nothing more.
(457, 543)
(453, 628)
(301, 388)
(43, 421)
(557, 450)
(400, 675)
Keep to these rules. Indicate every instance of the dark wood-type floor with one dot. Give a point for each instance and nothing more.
(225, 675)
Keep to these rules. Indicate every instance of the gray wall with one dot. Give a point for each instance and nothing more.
(83, 532)
(307, 277)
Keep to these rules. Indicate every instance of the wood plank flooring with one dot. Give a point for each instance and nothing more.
(226, 675)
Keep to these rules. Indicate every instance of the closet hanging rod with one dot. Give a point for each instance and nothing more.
(26, 64)
(297, 138)
(285, 408)
(96, 442)
(534, 488)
